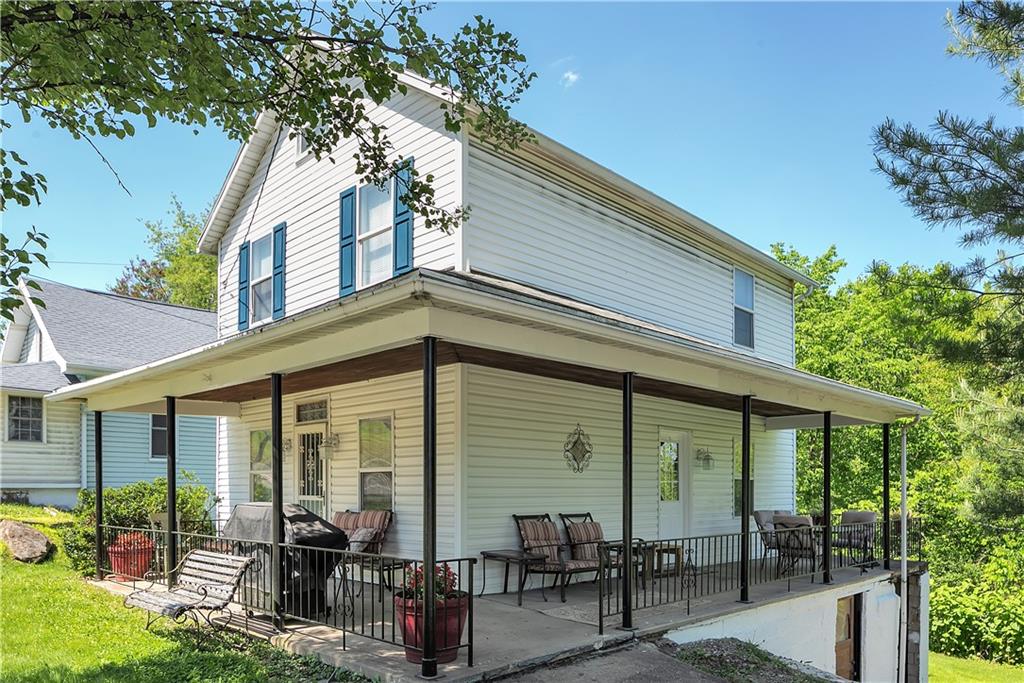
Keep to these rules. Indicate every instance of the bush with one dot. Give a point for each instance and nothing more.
(983, 616)
(131, 506)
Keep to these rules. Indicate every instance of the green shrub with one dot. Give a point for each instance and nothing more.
(131, 506)
(983, 615)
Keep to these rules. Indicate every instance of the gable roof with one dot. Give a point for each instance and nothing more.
(571, 162)
(32, 377)
(105, 332)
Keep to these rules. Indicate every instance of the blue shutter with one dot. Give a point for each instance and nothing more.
(347, 252)
(243, 286)
(278, 272)
(403, 222)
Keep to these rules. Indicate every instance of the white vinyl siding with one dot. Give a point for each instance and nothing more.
(55, 461)
(304, 192)
(527, 228)
(400, 396)
(515, 432)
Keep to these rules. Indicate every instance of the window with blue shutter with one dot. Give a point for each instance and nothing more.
(278, 276)
(403, 221)
(243, 286)
(347, 251)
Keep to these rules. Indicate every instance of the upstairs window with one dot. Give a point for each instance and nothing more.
(158, 436)
(375, 237)
(261, 295)
(24, 418)
(743, 308)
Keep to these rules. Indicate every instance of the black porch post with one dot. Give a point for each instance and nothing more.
(886, 541)
(745, 503)
(428, 669)
(172, 491)
(99, 494)
(827, 497)
(276, 502)
(627, 499)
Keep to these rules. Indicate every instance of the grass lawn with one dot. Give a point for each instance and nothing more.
(946, 669)
(56, 627)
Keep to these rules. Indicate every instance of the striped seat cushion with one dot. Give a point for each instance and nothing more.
(541, 536)
(584, 537)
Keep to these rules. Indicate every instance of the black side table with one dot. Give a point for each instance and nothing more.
(519, 558)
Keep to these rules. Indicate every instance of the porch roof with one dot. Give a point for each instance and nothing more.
(483, 320)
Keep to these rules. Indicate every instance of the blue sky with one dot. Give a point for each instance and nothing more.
(756, 117)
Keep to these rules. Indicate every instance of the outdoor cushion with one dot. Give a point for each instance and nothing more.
(584, 537)
(360, 538)
(541, 536)
(571, 565)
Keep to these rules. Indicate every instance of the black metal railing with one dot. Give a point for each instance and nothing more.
(683, 570)
(367, 595)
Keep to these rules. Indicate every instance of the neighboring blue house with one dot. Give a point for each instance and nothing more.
(47, 449)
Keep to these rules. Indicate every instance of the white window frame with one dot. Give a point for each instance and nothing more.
(7, 419)
(156, 458)
(248, 463)
(360, 238)
(359, 467)
(735, 305)
(253, 281)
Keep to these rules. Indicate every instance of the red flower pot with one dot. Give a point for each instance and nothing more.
(131, 556)
(451, 618)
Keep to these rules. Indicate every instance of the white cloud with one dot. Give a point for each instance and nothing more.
(569, 78)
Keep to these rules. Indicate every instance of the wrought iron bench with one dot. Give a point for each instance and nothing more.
(206, 583)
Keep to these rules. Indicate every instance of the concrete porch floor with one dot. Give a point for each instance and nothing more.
(509, 639)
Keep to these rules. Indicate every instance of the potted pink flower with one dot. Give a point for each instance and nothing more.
(452, 608)
(131, 555)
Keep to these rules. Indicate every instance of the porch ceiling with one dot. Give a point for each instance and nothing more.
(486, 321)
(410, 358)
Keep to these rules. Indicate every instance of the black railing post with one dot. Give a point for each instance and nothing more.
(627, 500)
(276, 502)
(98, 415)
(172, 491)
(886, 521)
(827, 496)
(428, 669)
(745, 503)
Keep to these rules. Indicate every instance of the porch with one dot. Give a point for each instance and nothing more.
(424, 323)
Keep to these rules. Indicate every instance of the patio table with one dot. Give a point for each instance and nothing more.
(509, 557)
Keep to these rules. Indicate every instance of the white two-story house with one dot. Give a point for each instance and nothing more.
(568, 287)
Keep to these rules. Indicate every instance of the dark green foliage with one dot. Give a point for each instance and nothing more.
(983, 616)
(131, 506)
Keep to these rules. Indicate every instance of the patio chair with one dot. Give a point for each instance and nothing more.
(796, 541)
(540, 535)
(585, 537)
(856, 533)
(367, 531)
(764, 519)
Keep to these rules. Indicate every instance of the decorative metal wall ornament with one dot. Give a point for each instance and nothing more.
(578, 450)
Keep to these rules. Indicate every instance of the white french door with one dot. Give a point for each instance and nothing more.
(311, 477)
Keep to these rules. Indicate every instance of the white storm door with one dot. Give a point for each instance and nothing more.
(672, 449)
(312, 469)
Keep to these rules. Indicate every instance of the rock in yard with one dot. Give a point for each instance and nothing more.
(24, 542)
